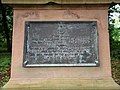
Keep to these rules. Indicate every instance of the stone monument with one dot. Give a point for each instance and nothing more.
(60, 45)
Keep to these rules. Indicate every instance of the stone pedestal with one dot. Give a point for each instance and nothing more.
(61, 78)
(62, 84)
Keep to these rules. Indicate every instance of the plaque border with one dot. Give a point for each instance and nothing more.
(25, 65)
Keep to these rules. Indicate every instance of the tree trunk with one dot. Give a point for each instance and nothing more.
(5, 27)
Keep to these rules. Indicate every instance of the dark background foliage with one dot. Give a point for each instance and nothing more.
(6, 22)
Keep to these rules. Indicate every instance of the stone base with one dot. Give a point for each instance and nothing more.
(61, 84)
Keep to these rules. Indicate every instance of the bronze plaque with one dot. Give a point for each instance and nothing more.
(61, 43)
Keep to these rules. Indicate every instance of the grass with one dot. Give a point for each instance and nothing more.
(5, 59)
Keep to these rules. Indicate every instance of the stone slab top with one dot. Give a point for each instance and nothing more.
(59, 1)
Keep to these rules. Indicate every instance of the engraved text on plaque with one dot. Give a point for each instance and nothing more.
(61, 43)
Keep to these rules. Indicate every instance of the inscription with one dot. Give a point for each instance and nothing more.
(61, 43)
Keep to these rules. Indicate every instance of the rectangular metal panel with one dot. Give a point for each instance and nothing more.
(61, 43)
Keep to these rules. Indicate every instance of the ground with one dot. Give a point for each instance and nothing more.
(116, 70)
(5, 59)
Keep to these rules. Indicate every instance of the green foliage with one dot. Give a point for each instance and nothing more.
(114, 33)
(5, 59)
(115, 49)
(9, 18)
